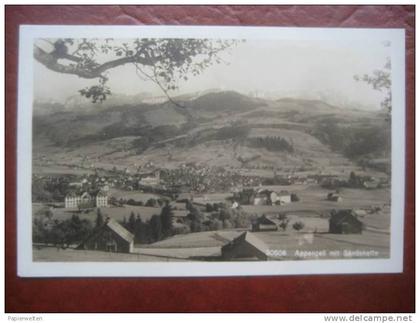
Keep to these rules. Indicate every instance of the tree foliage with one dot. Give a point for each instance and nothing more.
(355, 142)
(156, 227)
(131, 222)
(298, 225)
(64, 233)
(271, 143)
(152, 202)
(163, 61)
(166, 216)
(99, 218)
(380, 80)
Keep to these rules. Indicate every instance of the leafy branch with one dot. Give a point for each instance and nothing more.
(167, 60)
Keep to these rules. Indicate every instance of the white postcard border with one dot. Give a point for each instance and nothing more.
(28, 268)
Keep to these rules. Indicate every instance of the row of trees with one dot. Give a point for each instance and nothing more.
(162, 226)
(152, 202)
(231, 132)
(60, 233)
(72, 231)
(157, 228)
(354, 181)
(221, 217)
(50, 189)
(271, 143)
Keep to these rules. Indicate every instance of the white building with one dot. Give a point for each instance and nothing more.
(101, 199)
(150, 179)
(280, 198)
(71, 200)
(74, 200)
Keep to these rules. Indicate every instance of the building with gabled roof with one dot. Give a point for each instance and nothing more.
(101, 199)
(266, 223)
(245, 247)
(261, 197)
(345, 221)
(281, 198)
(72, 200)
(85, 196)
(111, 237)
(334, 197)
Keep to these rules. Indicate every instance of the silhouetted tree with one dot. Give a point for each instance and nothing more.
(166, 216)
(298, 225)
(156, 227)
(294, 197)
(99, 218)
(132, 222)
(70, 231)
(151, 202)
(380, 80)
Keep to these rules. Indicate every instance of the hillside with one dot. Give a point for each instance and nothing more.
(224, 129)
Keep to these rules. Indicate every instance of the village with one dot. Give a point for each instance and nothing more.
(194, 213)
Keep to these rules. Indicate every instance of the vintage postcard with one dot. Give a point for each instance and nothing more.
(209, 151)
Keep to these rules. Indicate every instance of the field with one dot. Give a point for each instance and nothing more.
(206, 244)
(47, 254)
(314, 198)
(281, 246)
(196, 240)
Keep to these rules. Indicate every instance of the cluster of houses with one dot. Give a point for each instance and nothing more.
(113, 237)
(268, 197)
(247, 246)
(130, 182)
(263, 197)
(149, 179)
(354, 181)
(92, 182)
(345, 221)
(92, 191)
(120, 179)
(200, 179)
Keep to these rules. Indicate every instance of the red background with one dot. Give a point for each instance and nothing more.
(322, 293)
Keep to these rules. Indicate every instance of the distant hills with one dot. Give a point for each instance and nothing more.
(212, 128)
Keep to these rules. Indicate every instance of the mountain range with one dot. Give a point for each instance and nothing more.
(211, 128)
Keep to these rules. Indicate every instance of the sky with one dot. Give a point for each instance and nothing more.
(271, 69)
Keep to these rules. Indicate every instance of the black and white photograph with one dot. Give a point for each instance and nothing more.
(230, 150)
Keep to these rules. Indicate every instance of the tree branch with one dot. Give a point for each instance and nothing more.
(170, 60)
(155, 80)
(50, 61)
(120, 61)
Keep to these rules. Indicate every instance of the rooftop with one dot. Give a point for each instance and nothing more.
(120, 230)
(251, 239)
